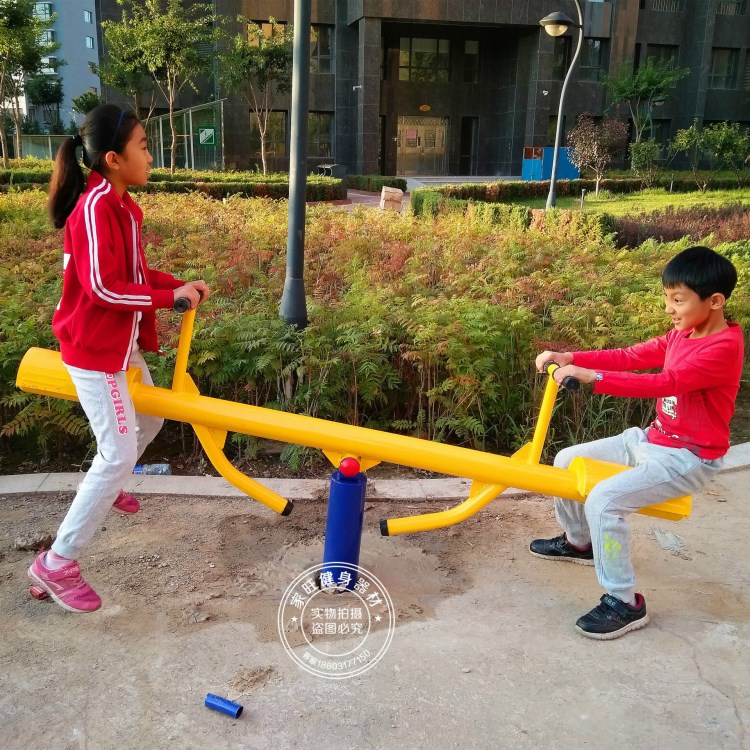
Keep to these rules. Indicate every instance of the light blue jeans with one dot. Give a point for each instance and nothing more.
(660, 474)
(121, 437)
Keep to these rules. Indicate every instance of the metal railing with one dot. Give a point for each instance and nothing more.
(670, 6)
(199, 134)
(41, 146)
(731, 7)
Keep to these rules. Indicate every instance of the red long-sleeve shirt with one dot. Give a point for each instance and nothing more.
(695, 390)
(109, 293)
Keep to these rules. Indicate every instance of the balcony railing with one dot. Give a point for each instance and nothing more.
(724, 81)
(670, 6)
(731, 7)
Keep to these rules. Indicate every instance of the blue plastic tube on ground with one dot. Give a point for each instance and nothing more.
(223, 705)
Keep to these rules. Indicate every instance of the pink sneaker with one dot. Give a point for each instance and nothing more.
(65, 585)
(126, 504)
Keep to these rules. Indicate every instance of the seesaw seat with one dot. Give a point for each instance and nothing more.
(590, 471)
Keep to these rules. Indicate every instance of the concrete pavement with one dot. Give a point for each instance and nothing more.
(294, 489)
(484, 654)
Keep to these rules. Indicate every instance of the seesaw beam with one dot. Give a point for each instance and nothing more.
(42, 372)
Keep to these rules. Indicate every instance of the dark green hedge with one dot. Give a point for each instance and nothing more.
(15, 176)
(498, 192)
(374, 183)
(317, 189)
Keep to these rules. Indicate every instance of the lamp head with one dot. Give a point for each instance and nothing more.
(556, 24)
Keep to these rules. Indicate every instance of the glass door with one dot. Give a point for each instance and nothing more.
(422, 145)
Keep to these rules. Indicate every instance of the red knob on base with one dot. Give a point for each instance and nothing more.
(349, 467)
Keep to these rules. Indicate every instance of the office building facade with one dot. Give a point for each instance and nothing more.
(74, 28)
(460, 88)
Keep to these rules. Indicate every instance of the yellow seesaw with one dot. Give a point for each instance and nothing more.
(42, 372)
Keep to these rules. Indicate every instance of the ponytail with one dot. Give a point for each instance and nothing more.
(105, 128)
(67, 183)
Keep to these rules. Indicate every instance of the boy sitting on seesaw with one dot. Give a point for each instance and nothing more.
(700, 363)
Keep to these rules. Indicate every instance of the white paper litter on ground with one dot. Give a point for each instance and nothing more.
(668, 540)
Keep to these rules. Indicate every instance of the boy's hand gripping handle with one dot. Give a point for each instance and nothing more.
(569, 383)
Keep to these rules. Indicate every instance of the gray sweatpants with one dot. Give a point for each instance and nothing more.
(121, 437)
(660, 474)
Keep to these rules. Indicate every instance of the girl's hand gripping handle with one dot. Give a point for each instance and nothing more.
(569, 383)
(182, 304)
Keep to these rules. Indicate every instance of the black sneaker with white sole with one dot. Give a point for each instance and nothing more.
(612, 618)
(560, 548)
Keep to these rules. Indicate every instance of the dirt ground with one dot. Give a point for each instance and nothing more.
(483, 655)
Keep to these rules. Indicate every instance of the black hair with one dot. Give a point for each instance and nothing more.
(106, 128)
(701, 269)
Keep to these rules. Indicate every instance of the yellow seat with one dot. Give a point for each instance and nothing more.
(590, 472)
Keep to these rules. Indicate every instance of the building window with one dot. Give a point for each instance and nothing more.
(746, 74)
(49, 65)
(731, 8)
(89, 42)
(275, 135)
(552, 130)
(471, 62)
(662, 132)
(88, 16)
(424, 60)
(594, 58)
(321, 49)
(561, 57)
(267, 30)
(723, 68)
(664, 53)
(47, 36)
(43, 11)
(320, 134)
(669, 6)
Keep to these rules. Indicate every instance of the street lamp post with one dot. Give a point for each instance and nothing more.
(556, 24)
(653, 101)
(293, 307)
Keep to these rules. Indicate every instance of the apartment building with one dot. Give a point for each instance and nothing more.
(460, 88)
(75, 29)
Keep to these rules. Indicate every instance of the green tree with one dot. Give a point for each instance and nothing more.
(641, 88)
(171, 39)
(123, 67)
(644, 160)
(46, 91)
(596, 144)
(85, 102)
(258, 67)
(22, 47)
(722, 145)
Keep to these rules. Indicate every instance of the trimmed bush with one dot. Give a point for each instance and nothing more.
(499, 192)
(374, 183)
(215, 184)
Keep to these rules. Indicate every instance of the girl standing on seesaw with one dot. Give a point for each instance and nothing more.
(105, 317)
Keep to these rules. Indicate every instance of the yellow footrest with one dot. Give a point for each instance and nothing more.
(590, 472)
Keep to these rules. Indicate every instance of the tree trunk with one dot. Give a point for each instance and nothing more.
(598, 180)
(173, 151)
(4, 144)
(262, 133)
(3, 134)
(17, 121)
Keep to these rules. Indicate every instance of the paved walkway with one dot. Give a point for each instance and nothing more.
(294, 489)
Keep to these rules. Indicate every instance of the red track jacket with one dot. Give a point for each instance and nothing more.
(109, 293)
(695, 390)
